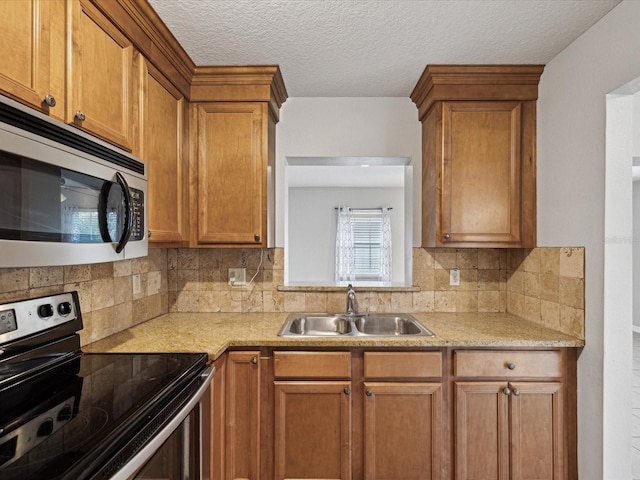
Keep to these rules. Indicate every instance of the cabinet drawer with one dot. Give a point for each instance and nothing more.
(312, 364)
(402, 364)
(505, 363)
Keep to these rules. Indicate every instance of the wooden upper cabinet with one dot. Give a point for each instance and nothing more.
(100, 76)
(232, 179)
(163, 115)
(232, 123)
(478, 155)
(33, 41)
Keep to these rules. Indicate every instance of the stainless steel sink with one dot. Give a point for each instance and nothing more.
(390, 325)
(354, 325)
(321, 325)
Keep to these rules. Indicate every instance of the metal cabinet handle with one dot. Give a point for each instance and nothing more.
(511, 366)
(347, 391)
(50, 100)
(148, 233)
(516, 392)
(368, 392)
(80, 116)
(447, 236)
(506, 391)
(254, 360)
(256, 237)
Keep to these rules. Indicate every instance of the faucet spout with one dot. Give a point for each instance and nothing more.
(352, 304)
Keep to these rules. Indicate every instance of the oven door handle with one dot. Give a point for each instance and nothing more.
(129, 469)
(128, 213)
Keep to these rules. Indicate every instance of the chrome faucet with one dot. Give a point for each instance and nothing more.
(352, 304)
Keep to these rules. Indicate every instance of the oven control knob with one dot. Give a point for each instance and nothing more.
(65, 414)
(46, 428)
(45, 311)
(64, 308)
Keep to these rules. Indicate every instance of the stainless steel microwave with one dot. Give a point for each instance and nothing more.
(66, 197)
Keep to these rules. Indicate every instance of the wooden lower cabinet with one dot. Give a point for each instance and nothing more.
(312, 430)
(402, 430)
(433, 414)
(518, 425)
(509, 430)
(242, 409)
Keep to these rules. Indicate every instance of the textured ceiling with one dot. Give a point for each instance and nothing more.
(373, 48)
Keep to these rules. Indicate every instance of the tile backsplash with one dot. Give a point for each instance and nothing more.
(543, 285)
(107, 301)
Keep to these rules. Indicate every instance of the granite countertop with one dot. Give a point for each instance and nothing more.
(213, 333)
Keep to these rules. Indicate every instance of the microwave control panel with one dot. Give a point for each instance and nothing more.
(137, 207)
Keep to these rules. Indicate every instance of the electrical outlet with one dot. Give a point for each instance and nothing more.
(136, 284)
(454, 277)
(237, 276)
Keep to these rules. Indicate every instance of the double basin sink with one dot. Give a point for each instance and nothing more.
(353, 325)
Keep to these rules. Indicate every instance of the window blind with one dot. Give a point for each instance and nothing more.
(367, 233)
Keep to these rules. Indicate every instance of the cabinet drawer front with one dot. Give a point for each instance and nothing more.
(504, 363)
(312, 364)
(402, 364)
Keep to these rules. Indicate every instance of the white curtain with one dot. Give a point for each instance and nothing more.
(385, 247)
(345, 247)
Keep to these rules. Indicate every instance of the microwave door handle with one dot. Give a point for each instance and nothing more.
(128, 214)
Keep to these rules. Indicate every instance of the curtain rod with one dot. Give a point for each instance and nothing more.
(379, 208)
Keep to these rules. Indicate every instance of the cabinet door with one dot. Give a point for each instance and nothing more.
(242, 432)
(232, 173)
(162, 136)
(312, 430)
(481, 173)
(100, 76)
(481, 431)
(24, 53)
(402, 430)
(537, 441)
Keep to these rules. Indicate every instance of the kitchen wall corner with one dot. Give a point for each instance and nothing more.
(107, 301)
(546, 286)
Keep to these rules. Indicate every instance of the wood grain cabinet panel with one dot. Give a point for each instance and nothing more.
(481, 431)
(481, 174)
(316, 365)
(537, 431)
(514, 427)
(242, 405)
(232, 173)
(402, 364)
(162, 136)
(312, 430)
(508, 363)
(509, 431)
(478, 155)
(402, 430)
(100, 76)
(24, 53)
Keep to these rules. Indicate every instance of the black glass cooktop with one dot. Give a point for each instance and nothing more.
(64, 422)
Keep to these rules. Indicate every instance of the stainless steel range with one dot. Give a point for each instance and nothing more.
(65, 414)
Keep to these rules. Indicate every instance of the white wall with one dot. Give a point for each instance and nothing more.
(636, 254)
(348, 127)
(312, 229)
(571, 210)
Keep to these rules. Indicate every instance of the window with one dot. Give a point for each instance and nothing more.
(367, 243)
(363, 245)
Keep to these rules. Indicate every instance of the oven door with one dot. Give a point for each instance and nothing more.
(180, 451)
